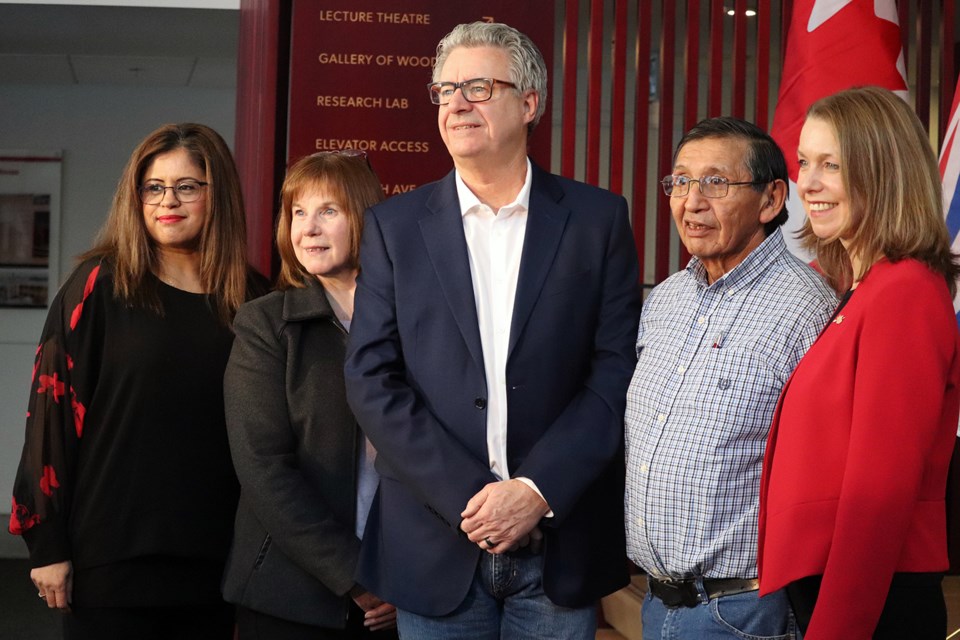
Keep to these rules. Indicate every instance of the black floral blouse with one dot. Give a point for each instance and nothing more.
(126, 455)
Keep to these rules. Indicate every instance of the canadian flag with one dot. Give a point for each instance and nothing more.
(832, 45)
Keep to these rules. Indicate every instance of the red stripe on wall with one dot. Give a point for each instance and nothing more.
(667, 48)
(594, 89)
(568, 139)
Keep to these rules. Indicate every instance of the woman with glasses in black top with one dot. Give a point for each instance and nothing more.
(125, 492)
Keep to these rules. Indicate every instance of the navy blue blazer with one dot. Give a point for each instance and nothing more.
(415, 381)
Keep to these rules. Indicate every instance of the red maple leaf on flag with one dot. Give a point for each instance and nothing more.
(834, 45)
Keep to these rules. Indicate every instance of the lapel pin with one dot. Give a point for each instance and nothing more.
(838, 320)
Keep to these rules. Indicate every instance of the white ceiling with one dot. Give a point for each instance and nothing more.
(98, 45)
(187, 4)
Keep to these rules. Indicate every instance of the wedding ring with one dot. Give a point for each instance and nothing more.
(489, 543)
(41, 595)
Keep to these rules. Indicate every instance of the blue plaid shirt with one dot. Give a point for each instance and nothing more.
(712, 362)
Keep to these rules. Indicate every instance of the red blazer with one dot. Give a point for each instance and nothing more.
(856, 464)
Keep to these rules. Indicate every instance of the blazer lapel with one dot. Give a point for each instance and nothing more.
(546, 221)
(447, 248)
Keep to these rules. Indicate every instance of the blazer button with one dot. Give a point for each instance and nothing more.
(480, 403)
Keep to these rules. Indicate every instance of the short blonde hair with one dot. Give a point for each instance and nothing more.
(891, 177)
(349, 179)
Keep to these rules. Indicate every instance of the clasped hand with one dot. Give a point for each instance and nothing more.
(377, 613)
(54, 584)
(503, 517)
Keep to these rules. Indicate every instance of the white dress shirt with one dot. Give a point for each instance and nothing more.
(495, 245)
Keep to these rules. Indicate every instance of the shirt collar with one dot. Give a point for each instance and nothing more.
(748, 270)
(469, 202)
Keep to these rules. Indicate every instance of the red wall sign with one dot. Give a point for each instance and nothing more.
(359, 73)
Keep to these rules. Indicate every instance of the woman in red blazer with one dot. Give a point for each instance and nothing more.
(852, 513)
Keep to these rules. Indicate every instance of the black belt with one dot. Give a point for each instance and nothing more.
(684, 593)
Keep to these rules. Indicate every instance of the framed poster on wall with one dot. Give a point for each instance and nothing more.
(29, 225)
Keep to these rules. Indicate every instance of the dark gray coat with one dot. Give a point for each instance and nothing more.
(295, 444)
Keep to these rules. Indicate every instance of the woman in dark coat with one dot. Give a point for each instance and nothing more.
(305, 468)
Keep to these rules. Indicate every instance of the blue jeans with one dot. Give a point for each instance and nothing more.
(506, 601)
(742, 616)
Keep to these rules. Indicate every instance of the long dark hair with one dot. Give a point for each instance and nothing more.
(123, 240)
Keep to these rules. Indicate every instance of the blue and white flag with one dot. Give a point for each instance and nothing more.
(949, 174)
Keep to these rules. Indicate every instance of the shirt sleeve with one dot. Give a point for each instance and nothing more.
(59, 392)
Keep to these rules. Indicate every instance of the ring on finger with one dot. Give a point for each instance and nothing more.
(41, 595)
(490, 543)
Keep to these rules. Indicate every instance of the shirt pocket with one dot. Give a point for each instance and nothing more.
(739, 388)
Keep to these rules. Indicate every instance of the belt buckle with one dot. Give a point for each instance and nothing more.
(675, 594)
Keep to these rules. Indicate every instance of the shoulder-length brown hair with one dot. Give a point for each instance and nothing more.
(890, 174)
(348, 179)
(124, 240)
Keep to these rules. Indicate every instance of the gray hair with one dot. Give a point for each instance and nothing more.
(527, 68)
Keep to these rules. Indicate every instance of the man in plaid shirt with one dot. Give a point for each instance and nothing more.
(717, 342)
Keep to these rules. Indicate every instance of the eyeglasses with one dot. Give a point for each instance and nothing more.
(183, 191)
(476, 90)
(710, 186)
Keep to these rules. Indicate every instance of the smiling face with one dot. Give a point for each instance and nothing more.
(320, 234)
(172, 224)
(820, 182)
(491, 133)
(721, 232)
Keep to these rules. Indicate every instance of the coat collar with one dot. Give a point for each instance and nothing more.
(308, 303)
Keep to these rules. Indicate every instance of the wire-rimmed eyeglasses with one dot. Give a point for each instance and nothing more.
(184, 191)
(710, 186)
(475, 90)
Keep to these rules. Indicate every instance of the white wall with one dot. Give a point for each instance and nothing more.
(96, 127)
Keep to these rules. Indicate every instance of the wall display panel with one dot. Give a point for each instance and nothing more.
(29, 219)
(359, 72)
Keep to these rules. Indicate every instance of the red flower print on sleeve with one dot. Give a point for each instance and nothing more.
(36, 362)
(87, 290)
(79, 411)
(48, 481)
(69, 363)
(51, 383)
(20, 519)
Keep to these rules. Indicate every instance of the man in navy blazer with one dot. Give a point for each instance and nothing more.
(490, 352)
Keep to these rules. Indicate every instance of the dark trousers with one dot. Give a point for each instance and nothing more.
(914, 607)
(253, 625)
(214, 622)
